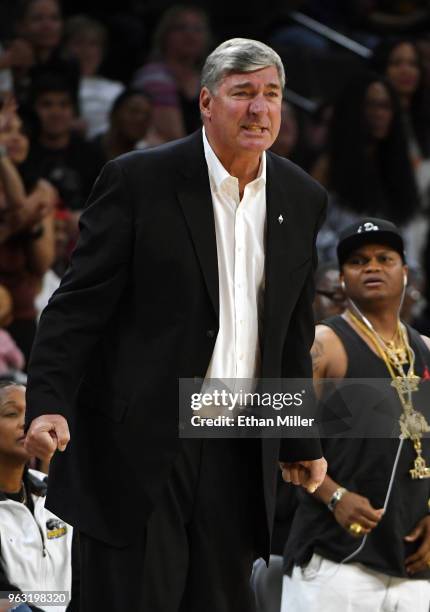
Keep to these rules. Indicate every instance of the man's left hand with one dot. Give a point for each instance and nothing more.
(420, 560)
(308, 474)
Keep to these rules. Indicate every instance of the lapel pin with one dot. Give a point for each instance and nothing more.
(280, 219)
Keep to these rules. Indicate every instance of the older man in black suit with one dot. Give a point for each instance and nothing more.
(195, 259)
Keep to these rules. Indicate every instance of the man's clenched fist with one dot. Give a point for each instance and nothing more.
(46, 434)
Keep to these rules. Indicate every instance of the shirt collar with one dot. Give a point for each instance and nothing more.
(218, 174)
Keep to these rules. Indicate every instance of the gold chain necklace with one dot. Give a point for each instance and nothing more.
(412, 422)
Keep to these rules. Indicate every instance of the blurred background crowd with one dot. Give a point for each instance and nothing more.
(80, 85)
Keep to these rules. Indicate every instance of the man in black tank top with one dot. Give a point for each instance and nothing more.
(391, 570)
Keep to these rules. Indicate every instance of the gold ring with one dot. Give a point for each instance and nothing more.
(355, 528)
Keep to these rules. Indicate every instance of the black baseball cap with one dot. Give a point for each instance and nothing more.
(367, 231)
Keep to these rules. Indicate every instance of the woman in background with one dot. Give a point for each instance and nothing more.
(366, 168)
(27, 245)
(172, 77)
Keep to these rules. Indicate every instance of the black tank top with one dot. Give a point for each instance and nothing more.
(364, 466)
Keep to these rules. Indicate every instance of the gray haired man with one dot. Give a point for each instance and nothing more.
(195, 259)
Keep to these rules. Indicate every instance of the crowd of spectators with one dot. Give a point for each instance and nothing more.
(73, 96)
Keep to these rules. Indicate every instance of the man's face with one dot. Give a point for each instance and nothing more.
(55, 113)
(330, 298)
(12, 412)
(243, 115)
(133, 118)
(372, 273)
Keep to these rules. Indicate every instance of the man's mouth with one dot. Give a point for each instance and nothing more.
(258, 129)
(373, 281)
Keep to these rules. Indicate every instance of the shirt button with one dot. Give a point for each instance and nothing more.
(210, 333)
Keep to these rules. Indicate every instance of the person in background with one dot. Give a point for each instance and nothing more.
(288, 135)
(86, 39)
(35, 545)
(149, 288)
(356, 543)
(57, 153)
(415, 310)
(330, 298)
(401, 61)
(366, 167)
(11, 358)
(172, 76)
(16, 56)
(129, 125)
(39, 30)
(27, 230)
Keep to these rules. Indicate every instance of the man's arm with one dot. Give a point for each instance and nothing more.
(77, 314)
(301, 459)
(351, 508)
(297, 359)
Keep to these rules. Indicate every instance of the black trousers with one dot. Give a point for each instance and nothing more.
(196, 551)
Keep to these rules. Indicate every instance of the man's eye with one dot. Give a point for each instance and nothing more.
(273, 94)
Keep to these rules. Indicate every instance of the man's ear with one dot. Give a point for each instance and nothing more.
(205, 100)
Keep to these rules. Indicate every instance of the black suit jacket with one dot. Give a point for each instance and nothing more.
(138, 309)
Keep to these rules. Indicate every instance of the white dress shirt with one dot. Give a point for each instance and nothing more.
(240, 235)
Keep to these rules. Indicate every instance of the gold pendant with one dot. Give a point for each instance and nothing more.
(420, 469)
(397, 355)
(406, 384)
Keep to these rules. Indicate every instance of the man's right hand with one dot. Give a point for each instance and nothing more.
(354, 508)
(46, 434)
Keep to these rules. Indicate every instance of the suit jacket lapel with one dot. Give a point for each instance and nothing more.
(196, 201)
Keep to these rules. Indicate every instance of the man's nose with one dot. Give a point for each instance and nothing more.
(258, 105)
(373, 264)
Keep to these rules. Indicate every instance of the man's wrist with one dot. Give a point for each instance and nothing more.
(336, 497)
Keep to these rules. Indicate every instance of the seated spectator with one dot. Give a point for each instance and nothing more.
(129, 125)
(400, 60)
(402, 63)
(361, 542)
(35, 545)
(11, 358)
(288, 136)
(27, 231)
(366, 168)
(329, 296)
(37, 46)
(57, 153)
(172, 77)
(17, 55)
(86, 40)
